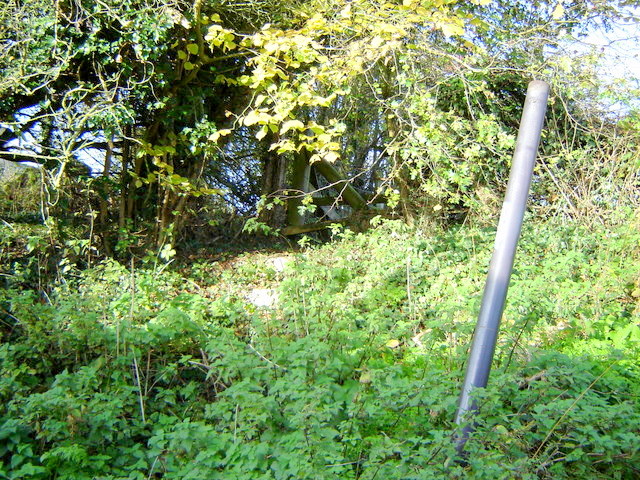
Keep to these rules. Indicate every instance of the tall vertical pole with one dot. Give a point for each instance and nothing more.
(509, 226)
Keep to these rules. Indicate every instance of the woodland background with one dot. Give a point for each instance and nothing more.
(252, 238)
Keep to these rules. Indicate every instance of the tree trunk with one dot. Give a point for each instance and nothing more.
(344, 187)
(274, 174)
(401, 173)
(299, 186)
(124, 173)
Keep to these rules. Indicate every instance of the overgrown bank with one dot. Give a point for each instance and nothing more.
(353, 373)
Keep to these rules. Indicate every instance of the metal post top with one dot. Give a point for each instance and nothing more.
(538, 84)
(538, 90)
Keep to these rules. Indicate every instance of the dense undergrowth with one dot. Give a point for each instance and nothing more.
(151, 372)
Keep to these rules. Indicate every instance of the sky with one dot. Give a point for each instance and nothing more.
(620, 47)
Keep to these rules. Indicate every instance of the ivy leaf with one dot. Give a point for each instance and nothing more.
(192, 48)
(189, 66)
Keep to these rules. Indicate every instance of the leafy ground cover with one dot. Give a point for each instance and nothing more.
(125, 372)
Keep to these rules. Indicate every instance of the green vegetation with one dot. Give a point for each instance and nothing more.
(152, 117)
(161, 315)
(353, 373)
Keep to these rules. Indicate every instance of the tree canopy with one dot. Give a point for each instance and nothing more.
(161, 107)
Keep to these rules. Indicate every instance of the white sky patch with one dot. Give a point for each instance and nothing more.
(619, 49)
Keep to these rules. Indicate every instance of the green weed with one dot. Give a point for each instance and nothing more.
(353, 374)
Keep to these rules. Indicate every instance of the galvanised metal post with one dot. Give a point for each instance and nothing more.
(509, 226)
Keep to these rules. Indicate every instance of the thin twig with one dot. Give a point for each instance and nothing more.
(344, 464)
(235, 423)
(153, 465)
(140, 396)
(201, 365)
(265, 358)
(566, 412)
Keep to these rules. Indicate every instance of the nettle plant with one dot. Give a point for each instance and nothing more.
(354, 374)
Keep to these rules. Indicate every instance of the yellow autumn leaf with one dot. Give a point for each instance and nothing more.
(262, 132)
(271, 47)
(212, 32)
(317, 22)
(346, 11)
(256, 116)
(220, 133)
(251, 119)
(331, 157)
(291, 124)
(324, 138)
(259, 100)
(212, 191)
(558, 12)
(376, 42)
(450, 29)
(393, 343)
